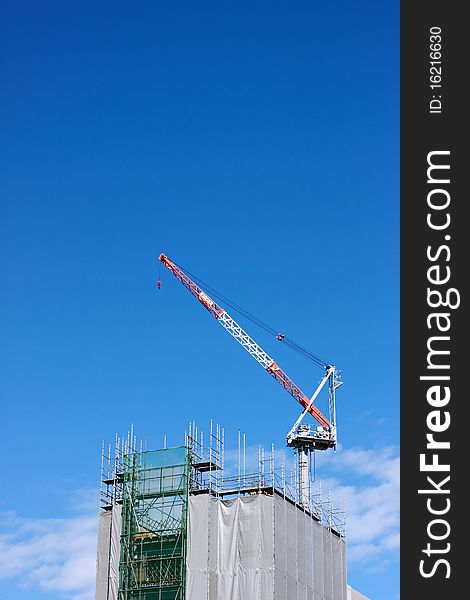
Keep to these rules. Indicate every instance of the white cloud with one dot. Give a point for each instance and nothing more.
(51, 555)
(369, 483)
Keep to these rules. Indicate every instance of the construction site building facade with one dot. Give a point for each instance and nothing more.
(176, 524)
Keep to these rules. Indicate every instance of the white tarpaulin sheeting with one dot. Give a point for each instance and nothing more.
(102, 556)
(107, 560)
(230, 548)
(261, 547)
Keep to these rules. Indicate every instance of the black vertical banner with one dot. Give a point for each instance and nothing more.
(435, 254)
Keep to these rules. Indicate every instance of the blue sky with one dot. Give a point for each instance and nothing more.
(257, 145)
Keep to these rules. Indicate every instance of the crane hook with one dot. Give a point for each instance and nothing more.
(159, 282)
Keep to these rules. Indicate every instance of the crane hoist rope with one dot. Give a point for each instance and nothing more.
(287, 341)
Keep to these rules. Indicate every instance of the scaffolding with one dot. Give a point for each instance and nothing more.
(154, 525)
(145, 505)
(273, 474)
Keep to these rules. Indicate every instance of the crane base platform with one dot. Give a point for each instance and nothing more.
(312, 441)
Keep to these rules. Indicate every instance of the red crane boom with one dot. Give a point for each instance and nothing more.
(248, 343)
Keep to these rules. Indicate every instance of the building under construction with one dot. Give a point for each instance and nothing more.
(178, 523)
(181, 524)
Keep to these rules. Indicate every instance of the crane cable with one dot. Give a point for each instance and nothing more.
(307, 354)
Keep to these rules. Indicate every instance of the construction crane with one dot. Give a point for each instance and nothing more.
(304, 438)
